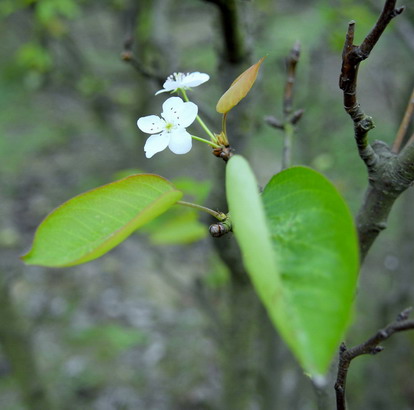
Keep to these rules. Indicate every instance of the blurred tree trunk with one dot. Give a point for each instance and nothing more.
(249, 337)
(18, 350)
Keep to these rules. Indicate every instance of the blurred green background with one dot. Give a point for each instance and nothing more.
(148, 325)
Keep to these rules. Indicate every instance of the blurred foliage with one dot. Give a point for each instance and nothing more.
(181, 225)
(107, 341)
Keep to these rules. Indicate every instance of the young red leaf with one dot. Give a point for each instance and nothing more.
(239, 88)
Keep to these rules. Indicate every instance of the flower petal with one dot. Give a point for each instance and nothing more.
(156, 143)
(186, 114)
(195, 79)
(151, 124)
(180, 141)
(178, 112)
(161, 91)
(171, 108)
(170, 84)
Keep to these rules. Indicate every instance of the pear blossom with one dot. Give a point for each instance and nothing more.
(183, 81)
(170, 130)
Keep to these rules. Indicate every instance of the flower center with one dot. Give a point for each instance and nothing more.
(179, 77)
(169, 126)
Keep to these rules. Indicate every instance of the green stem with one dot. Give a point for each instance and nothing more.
(287, 145)
(224, 130)
(218, 215)
(200, 121)
(206, 141)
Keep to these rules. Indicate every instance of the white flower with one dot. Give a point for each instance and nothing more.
(183, 81)
(169, 131)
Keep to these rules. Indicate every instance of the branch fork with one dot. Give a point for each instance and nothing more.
(389, 173)
(372, 347)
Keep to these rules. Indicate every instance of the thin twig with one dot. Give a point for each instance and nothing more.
(410, 140)
(405, 28)
(128, 56)
(289, 129)
(221, 216)
(351, 57)
(289, 119)
(404, 124)
(274, 122)
(287, 145)
(291, 63)
(371, 346)
(387, 177)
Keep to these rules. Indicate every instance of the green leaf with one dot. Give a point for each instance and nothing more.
(314, 236)
(181, 225)
(178, 228)
(91, 224)
(308, 285)
(197, 190)
(251, 230)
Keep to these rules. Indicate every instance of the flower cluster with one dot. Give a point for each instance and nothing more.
(183, 81)
(169, 130)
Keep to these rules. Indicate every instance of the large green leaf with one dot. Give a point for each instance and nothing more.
(312, 278)
(315, 239)
(91, 224)
(251, 229)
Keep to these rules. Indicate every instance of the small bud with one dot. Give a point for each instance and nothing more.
(377, 349)
(219, 229)
(404, 314)
(222, 139)
(296, 116)
(274, 122)
(225, 153)
(126, 56)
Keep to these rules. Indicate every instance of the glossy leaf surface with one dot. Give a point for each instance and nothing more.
(314, 236)
(89, 225)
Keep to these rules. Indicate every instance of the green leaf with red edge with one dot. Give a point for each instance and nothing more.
(239, 88)
(89, 225)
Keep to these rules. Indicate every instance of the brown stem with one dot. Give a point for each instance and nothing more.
(404, 124)
(352, 55)
(371, 346)
(291, 63)
(387, 178)
(289, 119)
(411, 140)
(128, 56)
(288, 127)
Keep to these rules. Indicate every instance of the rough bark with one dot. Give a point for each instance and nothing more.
(389, 174)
